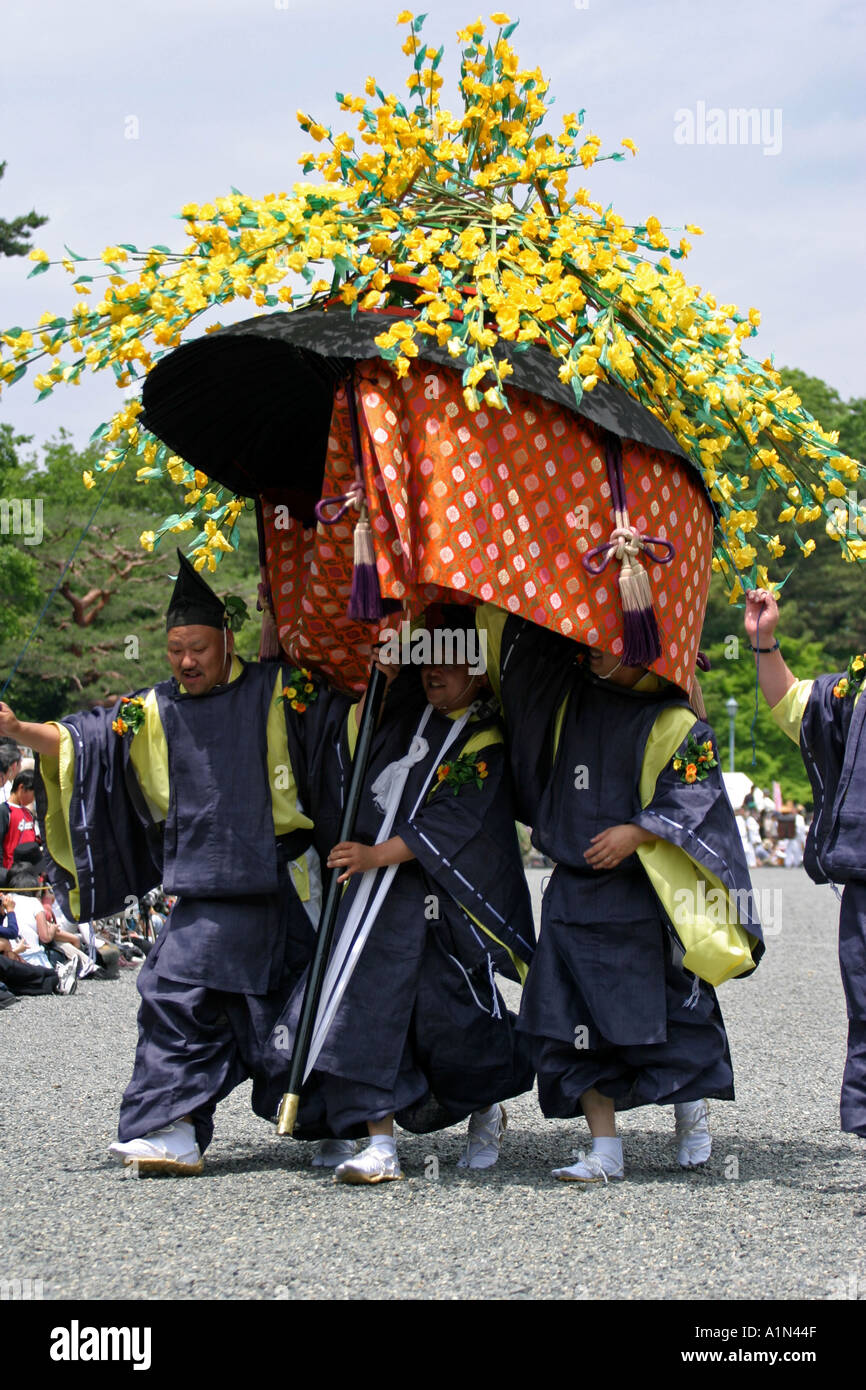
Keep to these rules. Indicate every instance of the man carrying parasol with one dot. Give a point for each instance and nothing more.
(622, 787)
(825, 716)
(411, 1021)
(194, 784)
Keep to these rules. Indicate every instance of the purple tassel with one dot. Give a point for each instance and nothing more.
(640, 637)
(365, 601)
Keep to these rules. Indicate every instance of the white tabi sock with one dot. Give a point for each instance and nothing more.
(486, 1117)
(386, 1142)
(610, 1146)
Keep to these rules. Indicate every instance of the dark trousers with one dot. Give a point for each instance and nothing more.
(195, 1045)
(20, 977)
(852, 959)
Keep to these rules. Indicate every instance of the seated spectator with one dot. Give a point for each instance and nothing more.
(101, 950)
(20, 975)
(66, 939)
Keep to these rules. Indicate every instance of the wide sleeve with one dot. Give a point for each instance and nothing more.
(98, 828)
(788, 713)
(696, 863)
(466, 840)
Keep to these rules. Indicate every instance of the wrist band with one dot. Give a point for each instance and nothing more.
(774, 648)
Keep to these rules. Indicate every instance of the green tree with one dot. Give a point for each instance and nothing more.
(776, 757)
(19, 581)
(103, 634)
(15, 235)
(822, 596)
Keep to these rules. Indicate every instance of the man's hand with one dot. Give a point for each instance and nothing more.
(774, 677)
(9, 725)
(389, 669)
(353, 858)
(609, 848)
(761, 608)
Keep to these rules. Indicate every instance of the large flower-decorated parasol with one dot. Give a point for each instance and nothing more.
(464, 301)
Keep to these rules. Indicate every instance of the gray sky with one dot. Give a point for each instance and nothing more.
(214, 86)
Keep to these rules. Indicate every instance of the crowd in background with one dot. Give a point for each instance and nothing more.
(41, 951)
(773, 837)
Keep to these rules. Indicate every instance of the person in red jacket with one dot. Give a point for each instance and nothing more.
(17, 822)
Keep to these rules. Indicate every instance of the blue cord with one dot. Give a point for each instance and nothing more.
(47, 602)
(757, 690)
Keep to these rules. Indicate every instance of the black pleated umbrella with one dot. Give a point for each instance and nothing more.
(250, 405)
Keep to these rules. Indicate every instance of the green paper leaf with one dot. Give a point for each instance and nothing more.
(17, 375)
(418, 23)
(39, 269)
(510, 28)
(127, 246)
(73, 254)
(43, 394)
(342, 266)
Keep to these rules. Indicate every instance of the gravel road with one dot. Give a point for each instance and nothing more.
(780, 1211)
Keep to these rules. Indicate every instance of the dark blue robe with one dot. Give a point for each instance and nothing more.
(833, 744)
(608, 1003)
(422, 1029)
(237, 938)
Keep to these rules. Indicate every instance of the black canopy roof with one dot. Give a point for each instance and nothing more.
(250, 404)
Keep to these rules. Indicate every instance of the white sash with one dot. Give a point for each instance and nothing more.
(387, 792)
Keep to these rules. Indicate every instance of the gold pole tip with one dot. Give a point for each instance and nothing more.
(287, 1114)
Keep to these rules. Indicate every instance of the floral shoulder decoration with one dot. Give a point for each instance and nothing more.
(465, 769)
(695, 763)
(301, 690)
(131, 716)
(852, 681)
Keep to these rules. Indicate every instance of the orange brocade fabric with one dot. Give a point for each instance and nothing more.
(489, 506)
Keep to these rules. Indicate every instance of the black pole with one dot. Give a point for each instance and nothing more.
(328, 920)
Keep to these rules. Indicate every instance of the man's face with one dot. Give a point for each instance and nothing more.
(609, 667)
(451, 686)
(199, 657)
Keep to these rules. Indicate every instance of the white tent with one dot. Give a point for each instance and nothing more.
(738, 785)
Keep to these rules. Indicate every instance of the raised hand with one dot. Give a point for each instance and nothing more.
(9, 725)
(762, 615)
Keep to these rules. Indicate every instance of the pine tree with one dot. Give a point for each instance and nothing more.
(15, 235)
